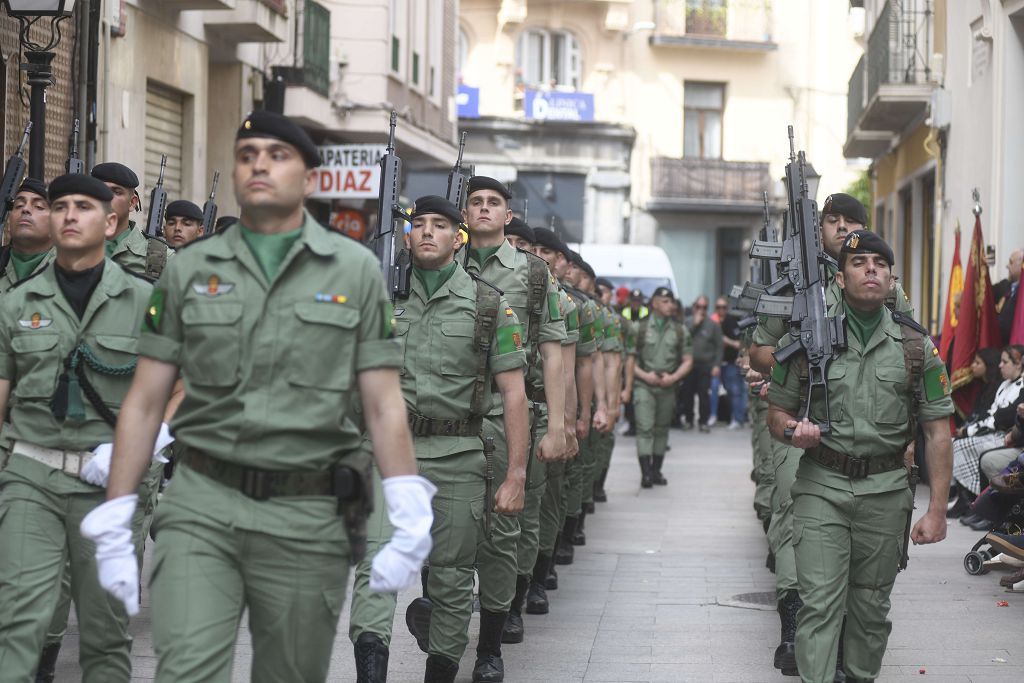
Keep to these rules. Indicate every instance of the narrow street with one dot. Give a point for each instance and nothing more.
(646, 597)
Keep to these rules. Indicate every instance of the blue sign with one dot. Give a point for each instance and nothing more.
(468, 101)
(559, 106)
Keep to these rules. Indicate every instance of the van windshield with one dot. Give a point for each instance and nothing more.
(647, 285)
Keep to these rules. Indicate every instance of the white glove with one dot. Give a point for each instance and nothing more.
(109, 526)
(397, 565)
(97, 470)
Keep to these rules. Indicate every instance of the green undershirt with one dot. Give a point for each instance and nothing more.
(862, 325)
(24, 264)
(112, 244)
(433, 279)
(481, 254)
(270, 250)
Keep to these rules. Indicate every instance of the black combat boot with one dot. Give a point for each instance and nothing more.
(536, 594)
(47, 669)
(580, 538)
(513, 631)
(440, 669)
(600, 496)
(551, 579)
(564, 551)
(489, 668)
(371, 659)
(646, 465)
(785, 653)
(656, 475)
(417, 618)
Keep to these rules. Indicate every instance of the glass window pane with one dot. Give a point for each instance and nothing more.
(712, 135)
(558, 59)
(703, 95)
(691, 134)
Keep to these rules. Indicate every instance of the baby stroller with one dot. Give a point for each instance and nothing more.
(1006, 509)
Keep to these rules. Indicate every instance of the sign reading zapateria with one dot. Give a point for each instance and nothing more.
(349, 171)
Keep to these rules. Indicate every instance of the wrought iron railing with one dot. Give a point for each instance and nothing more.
(899, 46)
(855, 97)
(688, 179)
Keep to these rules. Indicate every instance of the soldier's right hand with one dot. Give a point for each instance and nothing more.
(109, 526)
(806, 434)
(572, 446)
(397, 565)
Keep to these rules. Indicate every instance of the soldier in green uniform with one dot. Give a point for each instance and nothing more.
(851, 498)
(31, 246)
(68, 338)
(622, 329)
(183, 223)
(130, 246)
(531, 292)
(663, 358)
(840, 215)
(273, 324)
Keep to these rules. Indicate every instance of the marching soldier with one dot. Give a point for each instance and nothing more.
(130, 246)
(619, 381)
(663, 358)
(68, 340)
(273, 324)
(851, 499)
(183, 223)
(31, 246)
(532, 294)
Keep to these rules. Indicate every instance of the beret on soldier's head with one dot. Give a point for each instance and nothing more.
(79, 183)
(663, 291)
(431, 203)
(183, 208)
(543, 237)
(482, 182)
(587, 269)
(520, 229)
(34, 186)
(865, 242)
(267, 124)
(574, 258)
(636, 294)
(605, 282)
(113, 172)
(847, 206)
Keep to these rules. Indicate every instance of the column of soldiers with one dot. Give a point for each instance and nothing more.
(836, 503)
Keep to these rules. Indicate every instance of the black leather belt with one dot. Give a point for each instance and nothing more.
(257, 483)
(430, 426)
(855, 468)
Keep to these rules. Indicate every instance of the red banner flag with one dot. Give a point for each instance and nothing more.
(977, 326)
(1017, 331)
(955, 289)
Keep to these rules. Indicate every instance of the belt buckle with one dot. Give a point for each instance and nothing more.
(255, 484)
(65, 466)
(856, 468)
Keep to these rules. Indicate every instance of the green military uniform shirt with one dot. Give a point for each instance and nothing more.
(571, 315)
(612, 342)
(662, 344)
(869, 402)
(39, 329)
(9, 277)
(439, 365)
(587, 313)
(131, 247)
(628, 333)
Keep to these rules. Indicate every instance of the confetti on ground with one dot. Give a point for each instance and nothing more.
(999, 660)
(1002, 603)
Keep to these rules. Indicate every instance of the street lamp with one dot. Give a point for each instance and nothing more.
(37, 67)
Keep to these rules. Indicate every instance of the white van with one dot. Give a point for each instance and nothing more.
(634, 266)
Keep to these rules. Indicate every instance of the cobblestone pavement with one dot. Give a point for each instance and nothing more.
(643, 600)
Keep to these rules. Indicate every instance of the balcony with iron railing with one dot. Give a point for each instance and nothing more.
(248, 21)
(707, 185)
(744, 25)
(892, 84)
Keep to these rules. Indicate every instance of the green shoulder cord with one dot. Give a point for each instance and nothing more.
(66, 402)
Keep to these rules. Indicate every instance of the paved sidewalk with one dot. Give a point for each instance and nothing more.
(641, 601)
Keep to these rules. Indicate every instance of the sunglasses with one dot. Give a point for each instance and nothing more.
(700, 308)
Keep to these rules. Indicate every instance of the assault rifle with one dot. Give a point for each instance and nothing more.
(816, 334)
(766, 251)
(210, 207)
(389, 241)
(157, 203)
(75, 163)
(13, 175)
(456, 181)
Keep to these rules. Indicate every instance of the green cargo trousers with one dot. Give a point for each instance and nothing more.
(496, 556)
(780, 532)
(764, 469)
(847, 556)
(528, 545)
(574, 473)
(590, 466)
(552, 507)
(40, 543)
(373, 612)
(653, 408)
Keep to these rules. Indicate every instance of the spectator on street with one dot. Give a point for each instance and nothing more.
(707, 361)
(732, 378)
(1005, 293)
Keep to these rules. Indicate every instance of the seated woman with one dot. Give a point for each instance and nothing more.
(1004, 470)
(988, 430)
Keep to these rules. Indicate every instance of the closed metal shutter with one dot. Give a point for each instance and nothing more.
(165, 116)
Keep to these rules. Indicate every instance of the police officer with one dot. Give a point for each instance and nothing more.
(273, 325)
(31, 246)
(840, 215)
(851, 499)
(130, 246)
(663, 358)
(68, 338)
(532, 294)
(183, 223)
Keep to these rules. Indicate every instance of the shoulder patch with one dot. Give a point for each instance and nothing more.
(154, 311)
(936, 384)
(907, 321)
(780, 371)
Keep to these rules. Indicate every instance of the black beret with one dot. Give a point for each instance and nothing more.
(587, 269)
(431, 203)
(78, 183)
(482, 182)
(267, 124)
(520, 229)
(846, 206)
(34, 186)
(543, 237)
(865, 242)
(663, 291)
(183, 209)
(574, 257)
(113, 172)
(636, 294)
(604, 282)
